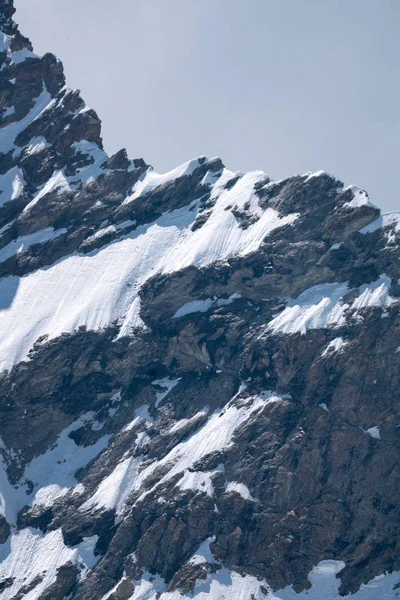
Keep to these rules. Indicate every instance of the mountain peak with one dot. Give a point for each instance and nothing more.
(198, 369)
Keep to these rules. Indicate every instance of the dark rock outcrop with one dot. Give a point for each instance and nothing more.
(251, 408)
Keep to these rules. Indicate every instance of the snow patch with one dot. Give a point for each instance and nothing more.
(335, 345)
(241, 489)
(373, 432)
(57, 183)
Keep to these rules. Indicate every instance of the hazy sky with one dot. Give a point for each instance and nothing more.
(285, 86)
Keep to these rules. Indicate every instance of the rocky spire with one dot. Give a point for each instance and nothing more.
(7, 10)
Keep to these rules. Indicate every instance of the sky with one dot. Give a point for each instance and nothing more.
(285, 86)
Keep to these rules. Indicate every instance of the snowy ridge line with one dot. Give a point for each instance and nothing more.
(323, 306)
(91, 290)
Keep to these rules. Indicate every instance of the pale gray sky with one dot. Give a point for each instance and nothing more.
(285, 86)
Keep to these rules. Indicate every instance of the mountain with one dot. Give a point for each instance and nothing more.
(199, 384)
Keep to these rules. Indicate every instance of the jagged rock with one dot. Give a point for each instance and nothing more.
(199, 370)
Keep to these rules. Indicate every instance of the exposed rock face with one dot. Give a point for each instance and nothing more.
(199, 370)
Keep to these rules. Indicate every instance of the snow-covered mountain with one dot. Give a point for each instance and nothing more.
(199, 370)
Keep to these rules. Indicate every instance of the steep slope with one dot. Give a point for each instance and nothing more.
(199, 369)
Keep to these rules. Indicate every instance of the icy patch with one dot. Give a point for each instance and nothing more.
(230, 585)
(141, 414)
(12, 499)
(24, 242)
(335, 345)
(11, 185)
(216, 434)
(9, 111)
(323, 406)
(203, 305)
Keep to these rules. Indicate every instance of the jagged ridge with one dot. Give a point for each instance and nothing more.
(194, 346)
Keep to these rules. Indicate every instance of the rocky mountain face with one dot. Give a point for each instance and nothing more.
(199, 385)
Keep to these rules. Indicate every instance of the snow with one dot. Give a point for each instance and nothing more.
(116, 488)
(373, 432)
(200, 481)
(5, 41)
(203, 305)
(374, 294)
(52, 473)
(334, 346)
(11, 185)
(37, 145)
(93, 170)
(86, 550)
(203, 554)
(101, 288)
(216, 434)
(22, 243)
(229, 585)
(11, 131)
(184, 422)
(150, 180)
(360, 198)
(29, 553)
(322, 306)
(57, 182)
(8, 111)
(318, 307)
(11, 499)
(20, 55)
(241, 489)
(195, 306)
(323, 406)
(385, 220)
(168, 385)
